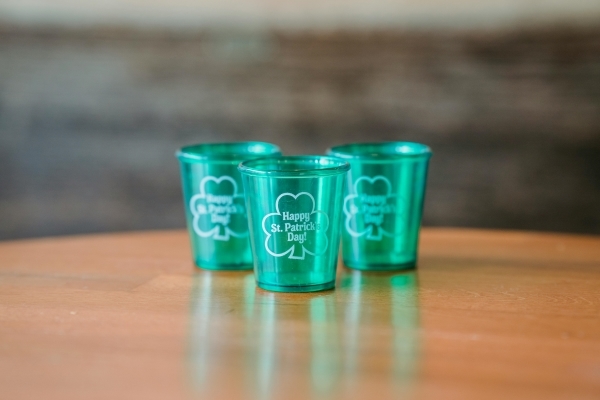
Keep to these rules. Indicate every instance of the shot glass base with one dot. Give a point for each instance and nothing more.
(381, 267)
(296, 288)
(223, 267)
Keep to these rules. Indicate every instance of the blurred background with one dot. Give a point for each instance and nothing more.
(95, 97)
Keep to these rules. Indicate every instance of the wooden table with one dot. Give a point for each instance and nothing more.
(487, 314)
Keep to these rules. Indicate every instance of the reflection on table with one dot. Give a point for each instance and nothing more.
(358, 340)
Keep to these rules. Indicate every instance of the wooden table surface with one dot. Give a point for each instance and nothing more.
(488, 314)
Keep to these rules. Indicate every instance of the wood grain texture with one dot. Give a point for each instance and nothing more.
(126, 316)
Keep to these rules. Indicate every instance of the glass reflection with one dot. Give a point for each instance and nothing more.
(405, 321)
(218, 301)
(200, 332)
(380, 333)
(249, 343)
(264, 357)
(325, 350)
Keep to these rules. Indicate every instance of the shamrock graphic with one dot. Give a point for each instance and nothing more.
(296, 228)
(370, 209)
(218, 209)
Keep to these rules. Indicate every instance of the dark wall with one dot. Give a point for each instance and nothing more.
(89, 120)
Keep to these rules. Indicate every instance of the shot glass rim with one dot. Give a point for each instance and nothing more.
(416, 150)
(242, 150)
(250, 167)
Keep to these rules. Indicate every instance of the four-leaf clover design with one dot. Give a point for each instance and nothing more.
(370, 209)
(296, 228)
(218, 209)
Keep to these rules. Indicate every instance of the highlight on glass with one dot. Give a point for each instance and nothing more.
(214, 203)
(383, 203)
(294, 213)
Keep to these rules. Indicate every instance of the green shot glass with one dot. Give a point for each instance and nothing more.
(294, 212)
(214, 202)
(383, 203)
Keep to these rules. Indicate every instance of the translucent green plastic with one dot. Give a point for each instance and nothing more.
(383, 203)
(294, 213)
(214, 203)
